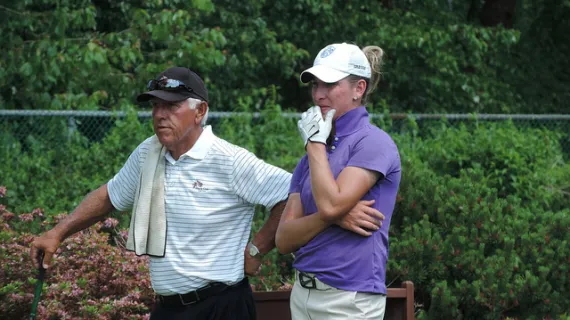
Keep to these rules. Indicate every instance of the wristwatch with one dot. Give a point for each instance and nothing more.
(253, 251)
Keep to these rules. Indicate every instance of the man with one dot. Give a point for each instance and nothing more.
(193, 196)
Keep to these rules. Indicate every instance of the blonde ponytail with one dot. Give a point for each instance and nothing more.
(374, 54)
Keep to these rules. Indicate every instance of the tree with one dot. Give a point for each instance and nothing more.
(493, 56)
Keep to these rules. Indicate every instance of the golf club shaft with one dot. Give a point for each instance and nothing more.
(39, 286)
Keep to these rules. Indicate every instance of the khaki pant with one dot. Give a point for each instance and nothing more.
(327, 303)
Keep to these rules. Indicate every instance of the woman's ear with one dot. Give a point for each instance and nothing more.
(360, 88)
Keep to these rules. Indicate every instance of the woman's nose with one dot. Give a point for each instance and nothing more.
(320, 93)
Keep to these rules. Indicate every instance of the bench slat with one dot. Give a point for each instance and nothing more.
(274, 305)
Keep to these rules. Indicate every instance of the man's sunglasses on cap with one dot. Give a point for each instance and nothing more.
(169, 84)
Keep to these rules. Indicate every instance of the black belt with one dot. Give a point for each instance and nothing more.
(200, 294)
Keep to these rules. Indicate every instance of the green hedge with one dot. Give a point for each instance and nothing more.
(481, 224)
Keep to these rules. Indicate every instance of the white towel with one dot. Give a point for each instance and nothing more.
(147, 231)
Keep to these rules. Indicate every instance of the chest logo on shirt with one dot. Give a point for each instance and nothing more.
(198, 185)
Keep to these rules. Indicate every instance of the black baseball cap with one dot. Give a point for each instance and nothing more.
(175, 84)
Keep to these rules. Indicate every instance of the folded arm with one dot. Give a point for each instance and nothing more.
(295, 230)
(335, 198)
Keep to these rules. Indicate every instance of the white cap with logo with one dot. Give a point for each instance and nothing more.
(336, 61)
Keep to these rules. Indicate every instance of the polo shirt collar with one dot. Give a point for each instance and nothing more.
(200, 148)
(351, 121)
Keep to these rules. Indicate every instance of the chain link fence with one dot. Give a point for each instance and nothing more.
(49, 127)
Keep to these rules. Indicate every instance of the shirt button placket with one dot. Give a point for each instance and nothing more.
(333, 144)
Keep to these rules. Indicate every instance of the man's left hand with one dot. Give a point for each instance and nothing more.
(252, 266)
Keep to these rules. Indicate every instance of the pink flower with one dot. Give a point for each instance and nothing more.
(124, 234)
(285, 287)
(2, 191)
(7, 216)
(110, 223)
(38, 212)
(26, 217)
(62, 314)
(76, 292)
(60, 217)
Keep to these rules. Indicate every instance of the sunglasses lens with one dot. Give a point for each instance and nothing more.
(171, 83)
(164, 83)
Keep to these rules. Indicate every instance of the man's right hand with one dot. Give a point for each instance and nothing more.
(91, 209)
(45, 245)
(362, 219)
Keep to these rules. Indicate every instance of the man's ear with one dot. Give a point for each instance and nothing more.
(201, 110)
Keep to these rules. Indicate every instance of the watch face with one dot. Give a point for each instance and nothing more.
(253, 251)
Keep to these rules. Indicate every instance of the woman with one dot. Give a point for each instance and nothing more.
(340, 272)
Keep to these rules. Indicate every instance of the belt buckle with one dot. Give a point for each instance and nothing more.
(308, 281)
(184, 303)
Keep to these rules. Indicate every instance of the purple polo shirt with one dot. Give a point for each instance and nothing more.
(338, 257)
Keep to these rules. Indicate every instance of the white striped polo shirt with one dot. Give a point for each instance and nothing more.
(210, 195)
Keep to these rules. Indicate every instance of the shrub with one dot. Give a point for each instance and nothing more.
(90, 277)
(482, 224)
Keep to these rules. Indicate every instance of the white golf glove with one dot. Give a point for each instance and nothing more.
(312, 126)
(325, 127)
(309, 123)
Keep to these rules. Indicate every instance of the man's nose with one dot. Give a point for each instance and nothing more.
(159, 111)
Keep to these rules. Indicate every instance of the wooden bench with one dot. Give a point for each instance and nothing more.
(275, 305)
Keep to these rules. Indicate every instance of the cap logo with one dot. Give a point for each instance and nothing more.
(357, 66)
(327, 51)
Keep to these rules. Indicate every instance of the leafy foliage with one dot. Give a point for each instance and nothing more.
(439, 57)
(93, 275)
(482, 220)
(481, 224)
(91, 278)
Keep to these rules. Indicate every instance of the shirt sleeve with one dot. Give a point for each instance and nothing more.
(257, 181)
(123, 186)
(376, 152)
(296, 180)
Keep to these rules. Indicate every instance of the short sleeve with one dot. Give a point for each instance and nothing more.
(376, 152)
(298, 174)
(257, 181)
(123, 186)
